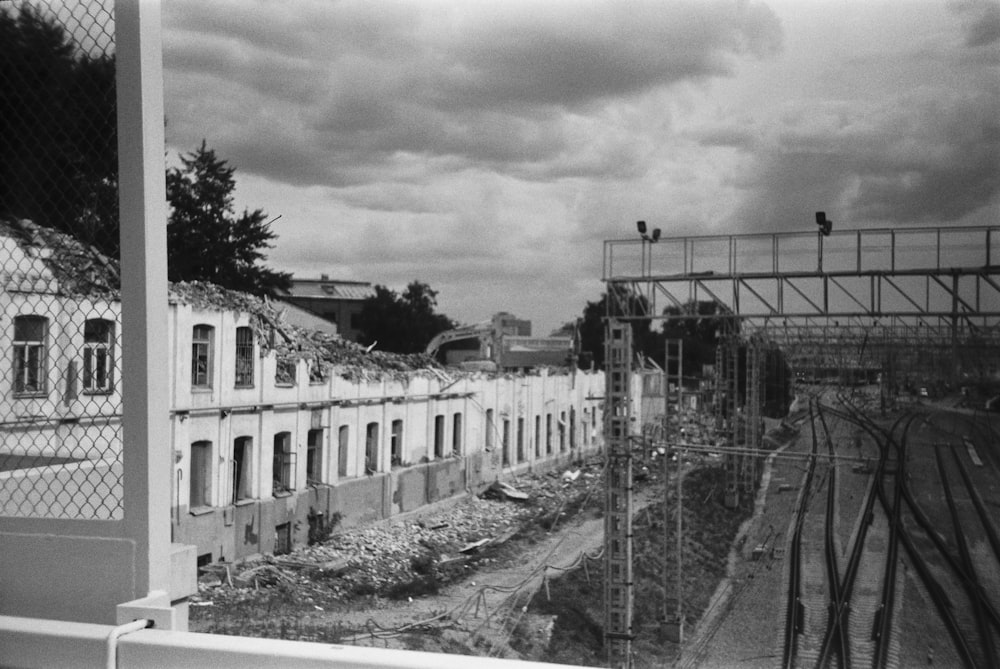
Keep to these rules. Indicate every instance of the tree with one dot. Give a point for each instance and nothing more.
(205, 240)
(644, 339)
(402, 323)
(57, 130)
(697, 323)
(58, 139)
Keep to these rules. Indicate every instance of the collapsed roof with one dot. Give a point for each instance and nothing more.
(36, 259)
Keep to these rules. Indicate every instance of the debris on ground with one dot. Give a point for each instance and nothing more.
(407, 558)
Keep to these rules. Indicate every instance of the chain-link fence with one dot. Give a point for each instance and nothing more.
(60, 315)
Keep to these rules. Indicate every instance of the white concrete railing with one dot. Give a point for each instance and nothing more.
(34, 642)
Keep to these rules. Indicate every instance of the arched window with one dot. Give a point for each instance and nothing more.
(98, 355)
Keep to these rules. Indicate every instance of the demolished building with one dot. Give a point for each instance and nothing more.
(276, 429)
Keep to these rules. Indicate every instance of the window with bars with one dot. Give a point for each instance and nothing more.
(244, 357)
(202, 337)
(29, 355)
(98, 355)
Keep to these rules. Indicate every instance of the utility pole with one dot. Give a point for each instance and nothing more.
(618, 585)
(674, 628)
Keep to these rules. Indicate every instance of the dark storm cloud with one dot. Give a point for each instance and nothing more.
(502, 85)
(982, 21)
(919, 159)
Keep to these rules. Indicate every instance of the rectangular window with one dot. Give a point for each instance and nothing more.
(285, 372)
(548, 434)
(282, 463)
(396, 443)
(29, 355)
(520, 439)
(343, 440)
(244, 357)
(98, 355)
(283, 539)
(314, 456)
(242, 459)
(456, 434)
(506, 442)
(439, 436)
(538, 436)
(562, 431)
(201, 474)
(371, 448)
(490, 428)
(201, 356)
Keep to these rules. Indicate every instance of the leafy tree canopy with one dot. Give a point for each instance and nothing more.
(403, 323)
(58, 139)
(644, 339)
(206, 241)
(58, 133)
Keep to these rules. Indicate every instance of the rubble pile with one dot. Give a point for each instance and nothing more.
(413, 556)
(80, 269)
(325, 352)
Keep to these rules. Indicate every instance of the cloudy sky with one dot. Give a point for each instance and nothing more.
(488, 148)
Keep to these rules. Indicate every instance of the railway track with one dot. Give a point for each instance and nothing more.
(843, 607)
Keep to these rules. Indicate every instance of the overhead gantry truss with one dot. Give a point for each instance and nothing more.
(928, 278)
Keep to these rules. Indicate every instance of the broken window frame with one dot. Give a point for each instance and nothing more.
(98, 356)
(30, 355)
(285, 372)
(202, 345)
(343, 450)
(242, 474)
(396, 444)
(314, 457)
(371, 448)
(282, 464)
(456, 433)
(439, 436)
(244, 367)
(200, 475)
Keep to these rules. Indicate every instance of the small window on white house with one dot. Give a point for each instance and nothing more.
(202, 338)
(98, 355)
(343, 442)
(371, 448)
(244, 357)
(29, 354)
(439, 436)
(456, 433)
(396, 444)
(285, 372)
(242, 459)
(490, 428)
(201, 474)
(282, 463)
(314, 456)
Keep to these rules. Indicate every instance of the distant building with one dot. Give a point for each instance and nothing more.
(338, 302)
(503, 343)
(277, 431)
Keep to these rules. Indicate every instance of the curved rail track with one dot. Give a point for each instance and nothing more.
(862, 584)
